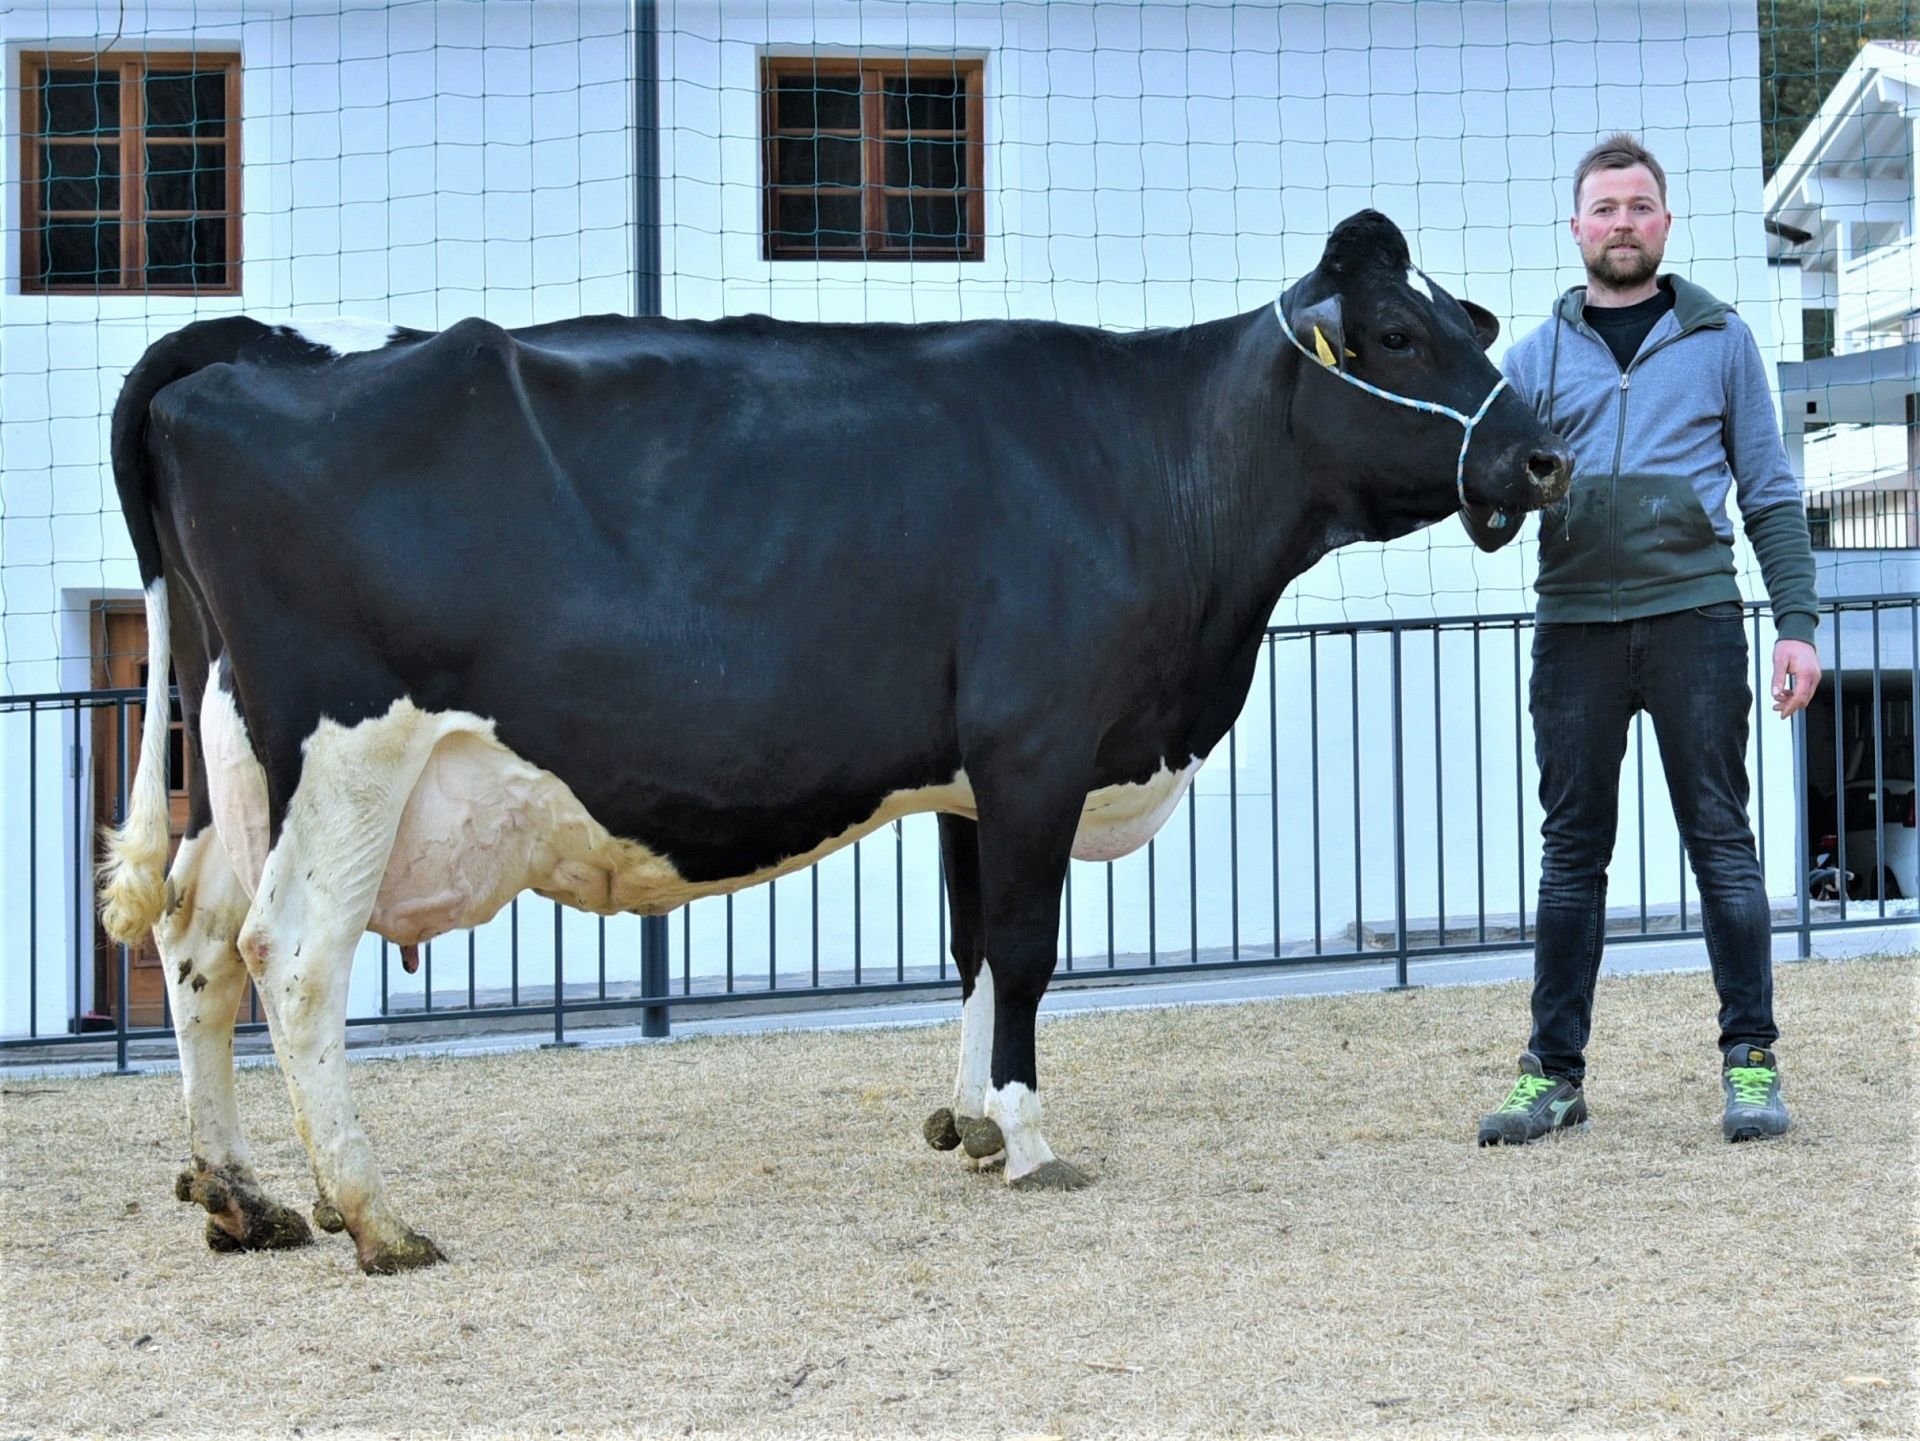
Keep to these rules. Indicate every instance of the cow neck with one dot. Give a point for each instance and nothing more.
(1237, 505)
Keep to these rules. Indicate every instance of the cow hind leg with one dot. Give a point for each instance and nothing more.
(205, 983)
(963, 1124)
(316, 893)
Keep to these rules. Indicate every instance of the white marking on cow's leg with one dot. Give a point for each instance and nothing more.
(976, 1048)
(205, 982)
(1015, 1109)
(975, 1075)
(315, 896)
(236, 783)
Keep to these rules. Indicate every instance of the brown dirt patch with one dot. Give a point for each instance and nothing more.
(1290, 1231)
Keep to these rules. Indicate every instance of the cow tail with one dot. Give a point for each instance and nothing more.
(132, 876)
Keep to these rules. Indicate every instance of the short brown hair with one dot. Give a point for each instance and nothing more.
(1619, 151)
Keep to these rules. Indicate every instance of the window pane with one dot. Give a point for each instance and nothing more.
(186, 252)
(818, 162)
(926, 164)
(186, 102)
(817, 102)
(80, 252)
(819, 219)
(79, 177)
(927, 221)
(80, 102)
(186, 177)
(925, 102)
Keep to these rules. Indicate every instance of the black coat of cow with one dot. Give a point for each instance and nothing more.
(740, 585)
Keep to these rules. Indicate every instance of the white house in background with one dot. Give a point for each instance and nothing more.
(1842, 222)
(1142, 164)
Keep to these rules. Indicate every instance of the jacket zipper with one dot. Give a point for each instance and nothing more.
(1613, 500)
(1613, 484)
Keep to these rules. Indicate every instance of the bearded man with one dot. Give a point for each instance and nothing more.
(1660, 390)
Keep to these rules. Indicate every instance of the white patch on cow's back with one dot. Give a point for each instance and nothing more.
(1118, 820)
(1418, 283)
(236, 784)
(344, 334)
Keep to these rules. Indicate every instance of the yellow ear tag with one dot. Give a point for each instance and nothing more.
(1323, 350)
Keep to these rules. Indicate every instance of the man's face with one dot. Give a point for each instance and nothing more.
(1622, 226)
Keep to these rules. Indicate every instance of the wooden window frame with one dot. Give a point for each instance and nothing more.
(132, 141)
(873, 138)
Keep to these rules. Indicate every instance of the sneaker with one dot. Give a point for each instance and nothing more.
(1538, 1105)
(1752, 1083)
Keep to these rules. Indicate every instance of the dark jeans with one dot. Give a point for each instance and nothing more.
(1688, 671)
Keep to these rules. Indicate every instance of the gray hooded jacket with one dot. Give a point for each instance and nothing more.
(1657, 448)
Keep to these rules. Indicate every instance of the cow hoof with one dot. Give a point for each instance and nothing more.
(1054, 1175)
(240, 1216)
(409, 1253)
(327, 1218)
(980, 1136)
(940, 1131)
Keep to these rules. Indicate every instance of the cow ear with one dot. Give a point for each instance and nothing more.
(1322, 331)
(1486, 328)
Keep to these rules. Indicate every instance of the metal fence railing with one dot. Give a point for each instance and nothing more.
(1864, 519)
(1375, 801)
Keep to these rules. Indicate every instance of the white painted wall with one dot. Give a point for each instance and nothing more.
(1149, 165)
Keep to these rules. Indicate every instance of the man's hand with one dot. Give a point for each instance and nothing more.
(1796, 676)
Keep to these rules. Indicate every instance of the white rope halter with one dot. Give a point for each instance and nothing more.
(1499, 519)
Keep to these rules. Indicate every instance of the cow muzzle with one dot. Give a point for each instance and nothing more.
(1550, 472)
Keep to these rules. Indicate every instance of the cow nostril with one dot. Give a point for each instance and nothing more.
(1547, 466)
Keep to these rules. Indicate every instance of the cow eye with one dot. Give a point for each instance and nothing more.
(1395, 339)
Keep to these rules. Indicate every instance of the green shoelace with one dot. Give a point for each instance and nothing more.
(1750, 1084)
(1524, 1091)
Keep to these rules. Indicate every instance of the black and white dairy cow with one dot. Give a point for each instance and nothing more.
(630, 612)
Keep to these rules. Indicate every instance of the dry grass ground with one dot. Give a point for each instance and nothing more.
(1290, 1232)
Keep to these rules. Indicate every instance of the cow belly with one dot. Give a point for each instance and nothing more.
(481, 825)
(1118, 820)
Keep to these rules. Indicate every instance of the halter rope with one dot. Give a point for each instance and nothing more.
(1433, 407)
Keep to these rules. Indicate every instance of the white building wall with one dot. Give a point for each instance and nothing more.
(1148, 165)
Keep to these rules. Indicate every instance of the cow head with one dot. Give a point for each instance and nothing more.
(1393, 441)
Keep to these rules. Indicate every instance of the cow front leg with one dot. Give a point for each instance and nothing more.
(206, 981)
(963, 1124)
(316, 893)
(1025, 843)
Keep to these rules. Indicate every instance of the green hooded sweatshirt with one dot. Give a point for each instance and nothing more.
(1657, 448)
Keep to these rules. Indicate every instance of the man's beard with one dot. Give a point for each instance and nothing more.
(1623, 272)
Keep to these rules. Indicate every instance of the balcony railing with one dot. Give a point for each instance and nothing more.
(1879, 287)
(1865, 519)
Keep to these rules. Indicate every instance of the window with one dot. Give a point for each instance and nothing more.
(1817, 333)
(873, 160)
(131, 171)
